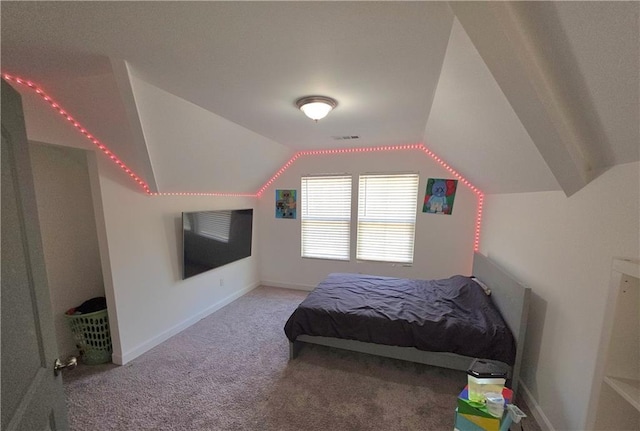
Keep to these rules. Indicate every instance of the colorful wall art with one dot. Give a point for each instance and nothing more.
(286, 204)
(439, 196)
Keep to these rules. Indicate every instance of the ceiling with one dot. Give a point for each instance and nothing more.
(199, 96)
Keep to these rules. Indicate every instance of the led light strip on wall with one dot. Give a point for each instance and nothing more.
(82, 130)
(228, 195)
(145, 186)
(102, 147)
(421, 147)
(476, 239)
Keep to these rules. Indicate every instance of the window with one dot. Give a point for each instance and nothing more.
(387, 217)
(326, 216)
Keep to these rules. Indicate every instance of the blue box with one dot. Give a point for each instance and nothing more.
(464, 424)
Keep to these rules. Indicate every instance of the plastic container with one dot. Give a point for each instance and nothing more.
(495, 404)
(484, 377)
(92, 336)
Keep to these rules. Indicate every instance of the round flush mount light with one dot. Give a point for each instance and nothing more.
(316, 107)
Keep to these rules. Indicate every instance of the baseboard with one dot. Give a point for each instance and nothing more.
(153, 342)
(543, 421)
(287, 285)
(117, 359)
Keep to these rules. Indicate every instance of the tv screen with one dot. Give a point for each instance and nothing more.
(214, 238)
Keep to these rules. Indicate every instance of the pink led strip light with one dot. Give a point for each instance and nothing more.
(227, 195)
(145, 186)
(102, 147)
(421, 147)
(82, 130)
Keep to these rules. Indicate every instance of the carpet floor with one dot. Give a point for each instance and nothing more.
(231, 371)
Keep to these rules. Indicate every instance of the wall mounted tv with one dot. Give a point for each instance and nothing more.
(211, 239)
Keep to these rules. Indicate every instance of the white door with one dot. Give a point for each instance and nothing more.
(32, 395)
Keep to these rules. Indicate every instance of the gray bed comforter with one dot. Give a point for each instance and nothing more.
(448, 315)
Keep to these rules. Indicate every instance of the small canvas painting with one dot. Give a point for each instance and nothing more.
(286, 204)
(439, 196)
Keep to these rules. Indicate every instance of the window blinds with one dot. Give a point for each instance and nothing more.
(387, 217)
(326, 216)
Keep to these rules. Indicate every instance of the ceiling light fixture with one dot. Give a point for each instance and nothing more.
(316, 107)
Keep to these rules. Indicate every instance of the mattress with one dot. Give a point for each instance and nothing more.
(448, 315)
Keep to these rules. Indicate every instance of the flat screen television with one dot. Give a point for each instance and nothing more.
(211, 239)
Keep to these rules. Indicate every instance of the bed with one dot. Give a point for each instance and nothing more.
(326, 318)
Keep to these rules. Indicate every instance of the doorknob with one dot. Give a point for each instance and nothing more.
(58, 366)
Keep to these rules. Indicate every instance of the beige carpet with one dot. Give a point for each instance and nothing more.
(230, 371)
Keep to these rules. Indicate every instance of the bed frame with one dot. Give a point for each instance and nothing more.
(511, 298)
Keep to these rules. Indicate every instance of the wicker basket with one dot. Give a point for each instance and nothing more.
(92, 336)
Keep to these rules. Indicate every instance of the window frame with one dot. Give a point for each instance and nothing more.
(306, 219)
(406, 255)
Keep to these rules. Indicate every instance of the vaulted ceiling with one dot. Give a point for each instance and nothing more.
(199, 96)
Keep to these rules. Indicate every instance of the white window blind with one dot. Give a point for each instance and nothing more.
(387, 217)
(326, 216)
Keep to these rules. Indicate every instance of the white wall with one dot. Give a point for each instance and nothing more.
(443, 246)
(139, 239)
(68, 228)
(563, 248)
(142, 238)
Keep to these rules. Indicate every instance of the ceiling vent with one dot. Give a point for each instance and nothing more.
(345, 138)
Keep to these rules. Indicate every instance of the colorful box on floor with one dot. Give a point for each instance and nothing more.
(478, 415)
(463, 423)
(467, 406)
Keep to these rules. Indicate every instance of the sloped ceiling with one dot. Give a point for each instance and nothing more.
(472, 124)
(199, 96)
(541, 53)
